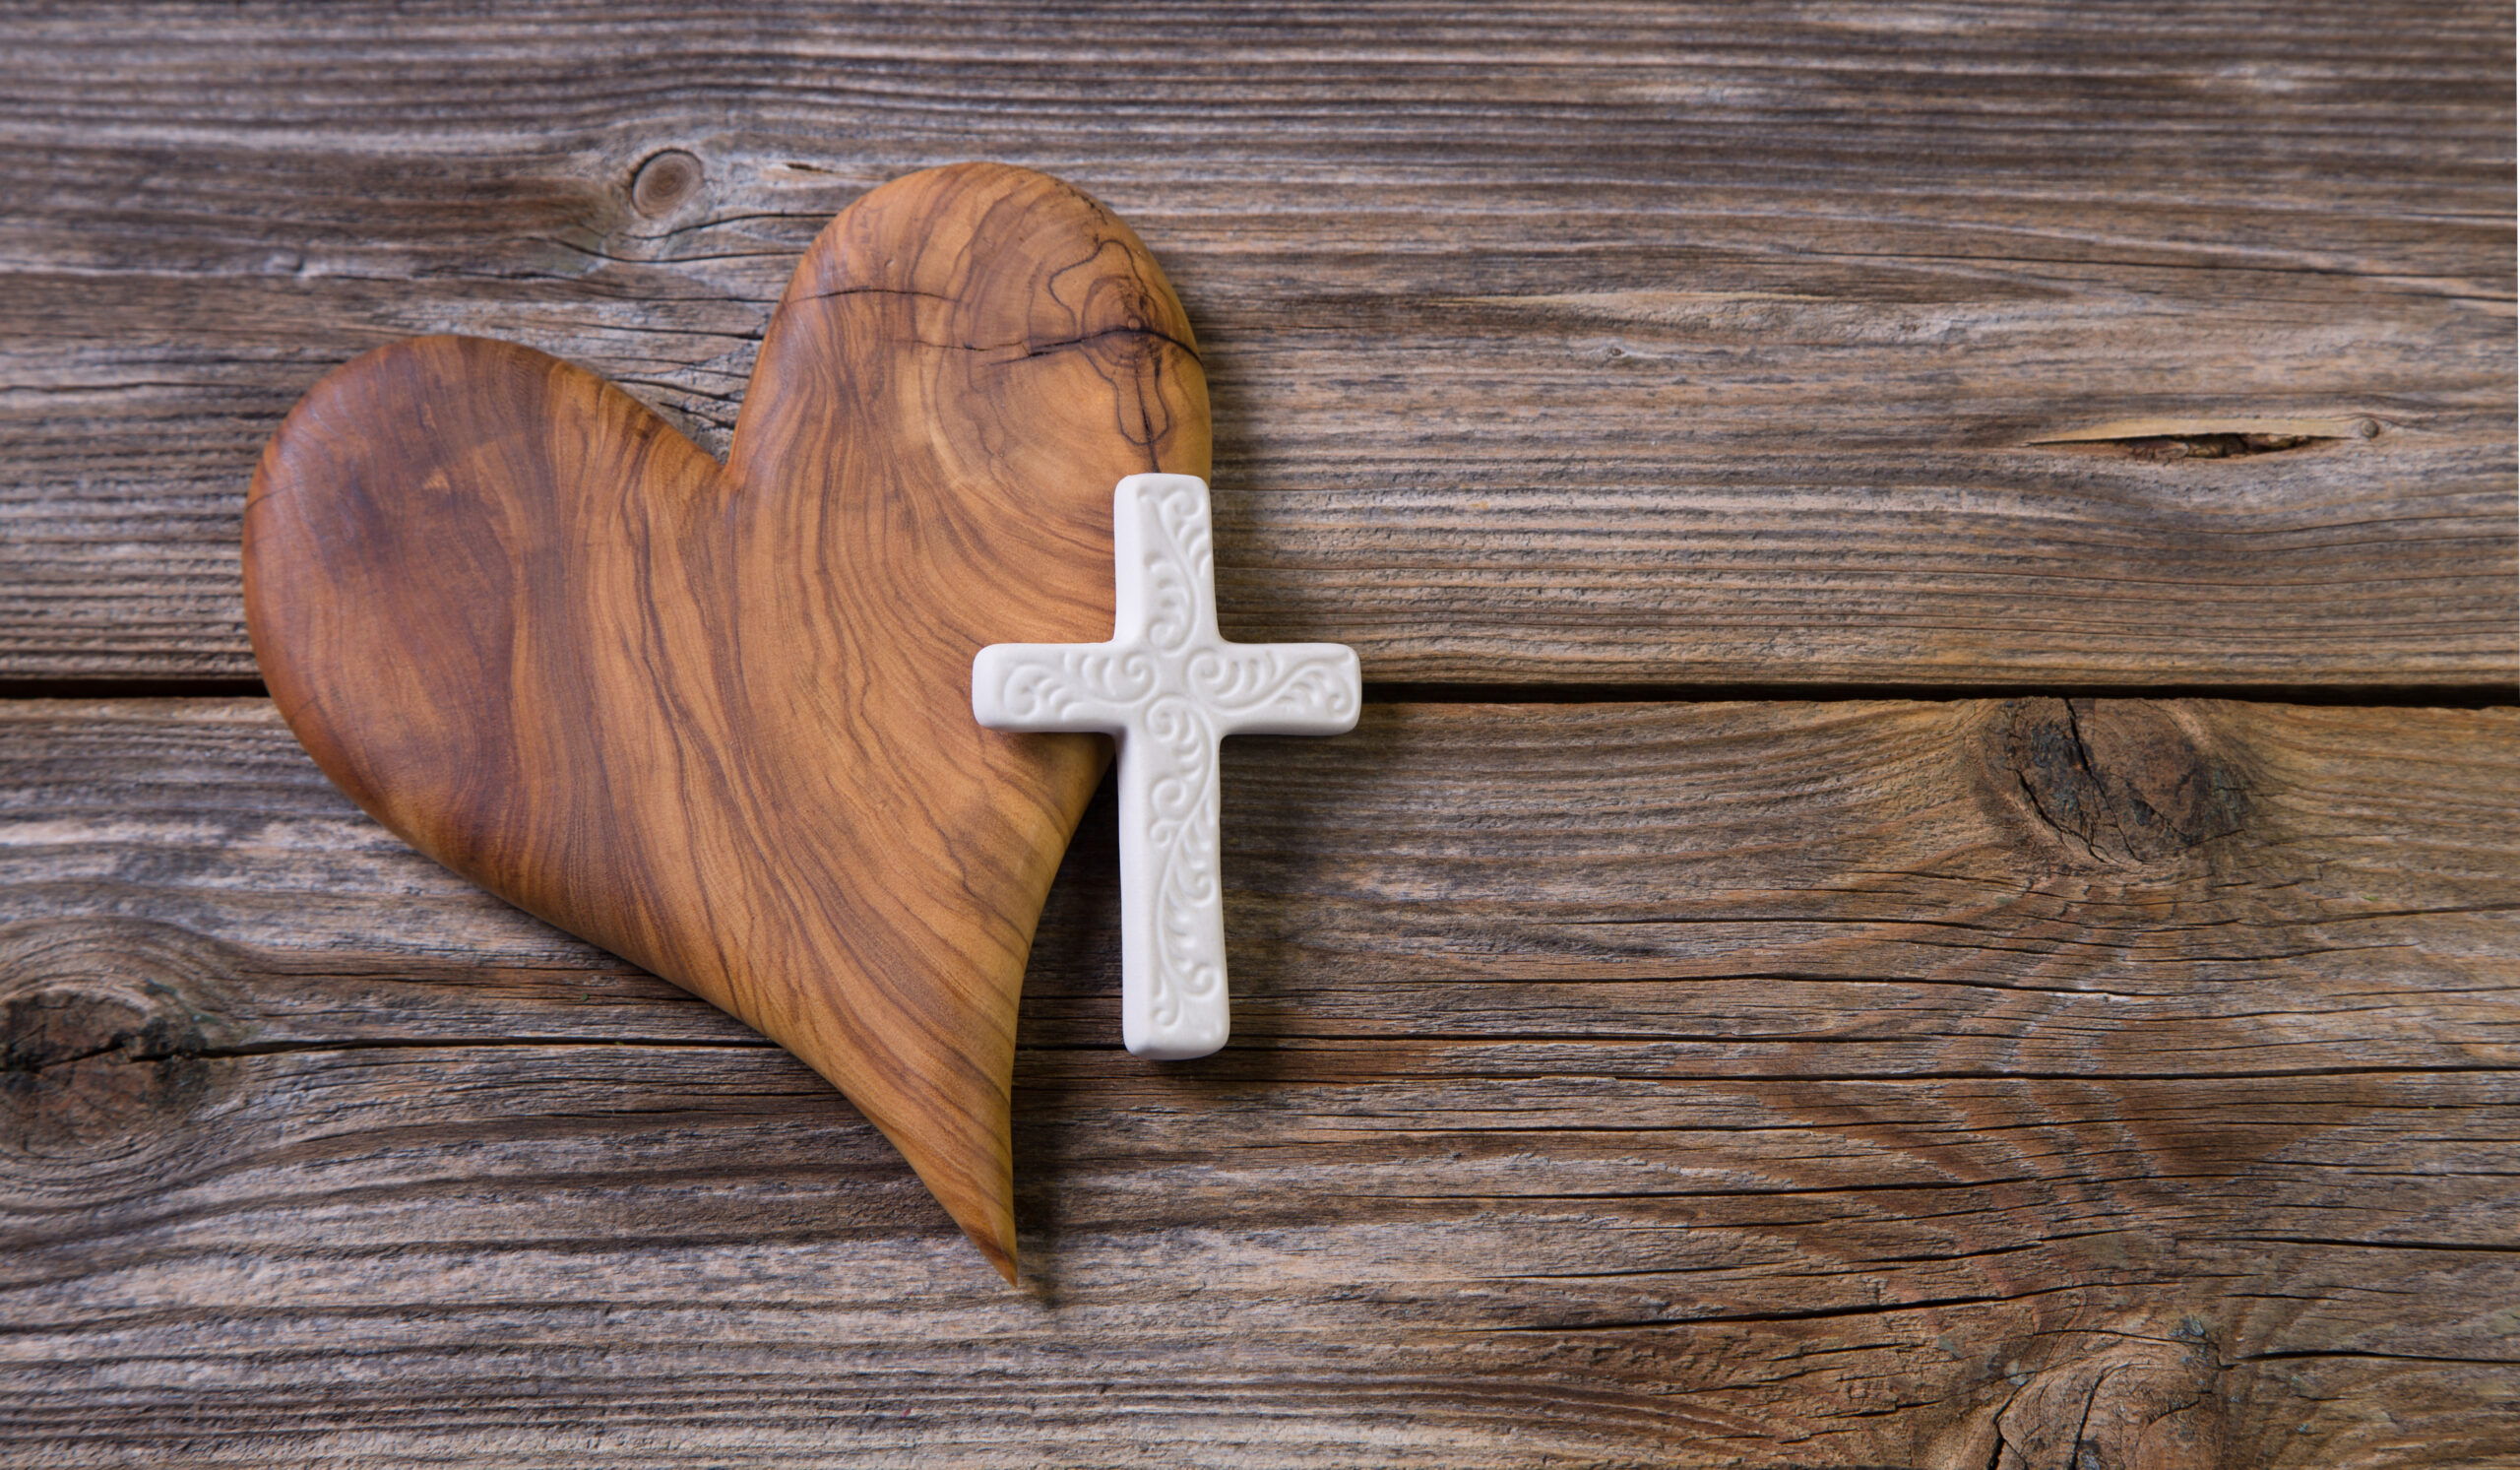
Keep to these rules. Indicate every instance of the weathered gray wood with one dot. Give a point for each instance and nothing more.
(1943, 1084)
(1617, 345)
(1847, 1084)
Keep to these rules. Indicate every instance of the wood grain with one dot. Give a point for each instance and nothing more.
(719, 722)
(1645, 345)
(1951, 1084)
(1852, 1084)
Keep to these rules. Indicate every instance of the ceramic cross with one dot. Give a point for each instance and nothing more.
(1168, 687)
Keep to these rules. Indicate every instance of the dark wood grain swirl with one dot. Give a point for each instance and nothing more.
(717, 719)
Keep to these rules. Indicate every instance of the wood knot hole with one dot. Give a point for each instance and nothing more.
(107, 1031)
(665, 181)
(2134, 1397)
(2129, 782)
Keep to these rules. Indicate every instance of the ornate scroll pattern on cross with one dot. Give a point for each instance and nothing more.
(1169, 688)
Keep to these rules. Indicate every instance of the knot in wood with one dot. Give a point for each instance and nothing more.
(2132, 1398)
(106, 1030)
(2124, 781)
(665, 181)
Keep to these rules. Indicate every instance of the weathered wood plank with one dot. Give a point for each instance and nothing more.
(1607, 345)
(1831, 1084)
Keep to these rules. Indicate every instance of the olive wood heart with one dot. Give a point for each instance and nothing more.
(717, 719)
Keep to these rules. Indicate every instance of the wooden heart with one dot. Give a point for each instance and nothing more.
(717, 719)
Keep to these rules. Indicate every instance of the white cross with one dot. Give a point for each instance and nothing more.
(1168, 687)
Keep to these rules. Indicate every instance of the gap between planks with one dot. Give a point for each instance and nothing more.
(2377, 696)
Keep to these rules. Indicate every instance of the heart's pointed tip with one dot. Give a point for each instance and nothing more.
(965, 1155)
(991, 1228)
(1000, 1256)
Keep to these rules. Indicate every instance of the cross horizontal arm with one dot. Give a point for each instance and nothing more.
(1279, 688)
(1061, 687)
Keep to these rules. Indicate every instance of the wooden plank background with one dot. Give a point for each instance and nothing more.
(1623, 345)
(2020, 971)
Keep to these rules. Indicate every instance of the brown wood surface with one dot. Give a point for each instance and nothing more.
(1975, 1084)
(1657, 344)
(1952, 1084)
(719, 721)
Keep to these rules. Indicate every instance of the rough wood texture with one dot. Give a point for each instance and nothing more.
(1955, 1085)
(1607, 343)
(1975, 1086)
(719, 721)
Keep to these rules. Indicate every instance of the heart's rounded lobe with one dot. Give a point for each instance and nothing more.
(717, 719)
